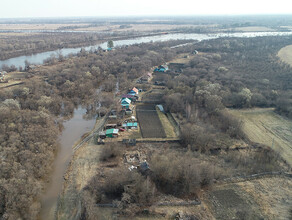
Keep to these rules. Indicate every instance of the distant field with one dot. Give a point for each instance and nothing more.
(253, 28)
(285, 54)
(37, 26)
(136, 27)
(266, 127)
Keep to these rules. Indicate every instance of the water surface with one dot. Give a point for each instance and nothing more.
(73, 130)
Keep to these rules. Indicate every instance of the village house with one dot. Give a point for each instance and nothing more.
(112, 133)
(161, 68)
(125, 102)
(133, 91)
(133, 98)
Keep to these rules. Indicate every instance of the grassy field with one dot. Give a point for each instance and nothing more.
(285, 54)
(266, 127)
(273, 195)
(168, 128)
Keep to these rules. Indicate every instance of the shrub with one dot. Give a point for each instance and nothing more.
(109, 151)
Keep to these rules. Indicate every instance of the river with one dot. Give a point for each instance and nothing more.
(73, 130)
(40, 57)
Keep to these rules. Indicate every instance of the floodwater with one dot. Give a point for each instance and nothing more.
(40, 57)
(73, 130)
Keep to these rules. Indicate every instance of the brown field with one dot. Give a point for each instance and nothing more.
(137, 27)
(266, 127)
(37, 26)
(285, 54)
(264, 198)
(183, 58)
(253, 28)
(149, 122)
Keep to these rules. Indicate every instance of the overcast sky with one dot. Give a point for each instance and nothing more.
(72, 8)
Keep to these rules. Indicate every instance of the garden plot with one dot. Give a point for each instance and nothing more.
(149, 121)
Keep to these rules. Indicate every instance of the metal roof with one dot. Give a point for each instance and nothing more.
(112, 131)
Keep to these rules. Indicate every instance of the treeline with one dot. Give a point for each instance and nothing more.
(29, 123)
(28, 142)
(13, 45)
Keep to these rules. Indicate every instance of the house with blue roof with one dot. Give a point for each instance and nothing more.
(125, 102)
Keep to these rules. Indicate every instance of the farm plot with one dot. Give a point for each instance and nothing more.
(266, 127)
(232, 203)
(154, 95)
(149, 122)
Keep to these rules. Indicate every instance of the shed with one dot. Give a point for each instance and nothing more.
(161, 108)
(112, 132)
(102, 135)
(130, 125)
(129, 111)
(109, 126)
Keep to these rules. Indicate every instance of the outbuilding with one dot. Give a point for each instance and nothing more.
(130, 125)
(112, 133)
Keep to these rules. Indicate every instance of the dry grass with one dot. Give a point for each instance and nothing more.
(285, 54)
(168, 128)
(10, 83)
(136, 27)
(83, 167)
(253, 28)
(274, 196)
(183, 58)
(270, 197)
(266, 127)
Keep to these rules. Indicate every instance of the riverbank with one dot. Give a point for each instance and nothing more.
(72, 132)
(81, 168)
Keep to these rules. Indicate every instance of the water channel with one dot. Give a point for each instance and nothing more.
(73, 130)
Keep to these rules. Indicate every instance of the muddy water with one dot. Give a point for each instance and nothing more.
(73, 130)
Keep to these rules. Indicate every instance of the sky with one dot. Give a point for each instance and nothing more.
(77, 8)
